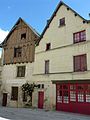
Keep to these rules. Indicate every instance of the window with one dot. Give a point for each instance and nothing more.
(62, 22)
(62, 93)
(59, 96)
(88, 96)
(87, 93)
(23, 36)
(59, 93)
(18, 52)
(14, 93)
(65, 94)
(72, 93)
(80, 93)
(79, 36)
(46, 66)
(21, 71)
(80, 63)
(24, 97)
(40, 86)
(48, 46)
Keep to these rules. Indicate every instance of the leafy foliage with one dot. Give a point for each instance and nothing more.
(28, 89)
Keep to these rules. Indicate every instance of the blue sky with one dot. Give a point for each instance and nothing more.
(34, 12)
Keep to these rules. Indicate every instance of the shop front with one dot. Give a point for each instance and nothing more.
(73, 97)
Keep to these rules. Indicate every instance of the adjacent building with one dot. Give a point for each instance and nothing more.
(18, 57)
(62, 67)
(0, 82)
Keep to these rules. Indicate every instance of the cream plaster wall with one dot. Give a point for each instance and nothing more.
(62, 47)
(61, 52)
(10, 80)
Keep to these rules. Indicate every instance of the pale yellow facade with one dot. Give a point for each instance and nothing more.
(61, 53)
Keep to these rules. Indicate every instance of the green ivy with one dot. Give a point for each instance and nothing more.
(28, 89)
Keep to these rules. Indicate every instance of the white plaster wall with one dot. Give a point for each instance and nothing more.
(9, 79)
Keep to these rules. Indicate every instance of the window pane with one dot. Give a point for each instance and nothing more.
(76, 37)
(72, 87)
(80, 63)
(65, 87)
(88, 87)
(83, 63)
(21, 71)
(80, 96)
(62, 21)
(23, 36)
(79, 36)
(72, 95)
(59, 96)
(80, 87)
(76, 63)
(17, 52)
(87, 96)
(65, 97)
(46, 66)
(48, 46)
(83, 35)
(14, 94)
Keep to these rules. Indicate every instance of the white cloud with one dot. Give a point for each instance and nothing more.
(3, 34)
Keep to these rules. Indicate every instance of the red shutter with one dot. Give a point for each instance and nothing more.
(83, 63)
(46, 66)
(76, 63)
(83, 35)
(80, 63)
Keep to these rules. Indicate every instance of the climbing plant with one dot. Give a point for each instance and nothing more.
(29, 89)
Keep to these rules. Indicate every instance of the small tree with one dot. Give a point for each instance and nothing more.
(28, 89)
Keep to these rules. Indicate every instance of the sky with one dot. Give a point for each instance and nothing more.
(34, 12)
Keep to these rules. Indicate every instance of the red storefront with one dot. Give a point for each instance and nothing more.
(73, 97)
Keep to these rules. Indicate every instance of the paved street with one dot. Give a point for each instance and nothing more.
(35, 114)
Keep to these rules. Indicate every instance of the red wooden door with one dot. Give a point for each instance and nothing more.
(40, 99)
(4, 101)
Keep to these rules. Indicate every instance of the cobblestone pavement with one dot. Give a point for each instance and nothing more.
(36, 114)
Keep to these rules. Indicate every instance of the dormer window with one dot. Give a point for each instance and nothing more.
(23, 36)
(62, 21)
(48, 46)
